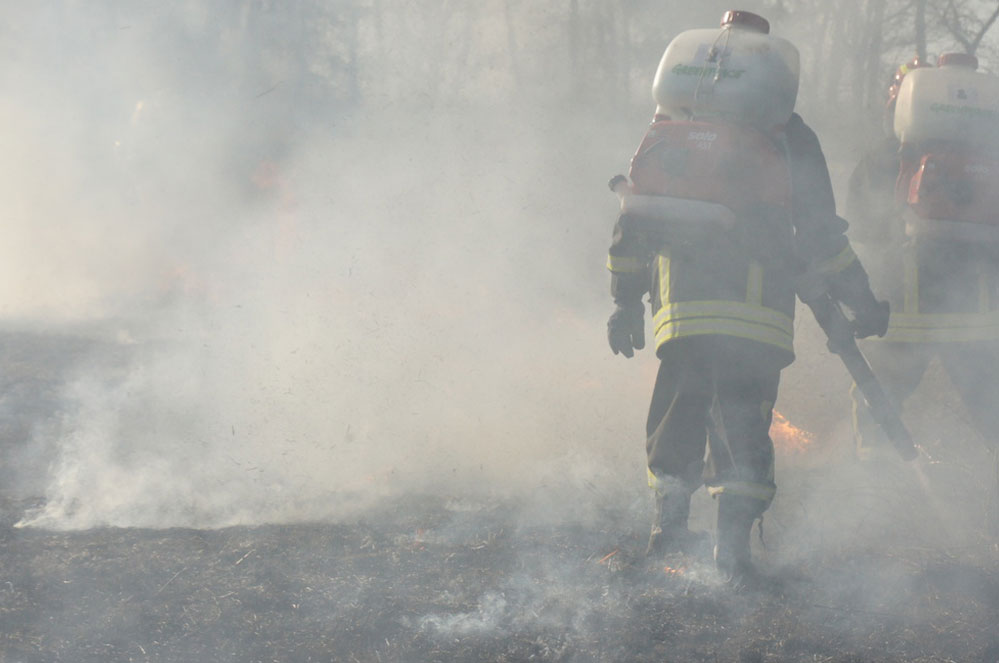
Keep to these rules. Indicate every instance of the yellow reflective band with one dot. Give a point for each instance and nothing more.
(837, 263)
(754, 284)
(653, 479)
(758, 491)
(673, 329)
(662, 268)
(943, 327)
(666, 485)
(725, 309)
(941, 335)
(625, 264)
(945, 320)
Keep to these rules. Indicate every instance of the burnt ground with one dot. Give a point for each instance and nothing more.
(891, 575)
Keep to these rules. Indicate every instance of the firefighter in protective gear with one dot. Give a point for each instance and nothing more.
(942, 286)
(723, 302)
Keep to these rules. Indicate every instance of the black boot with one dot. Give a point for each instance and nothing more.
(735, 524)
(669, 527)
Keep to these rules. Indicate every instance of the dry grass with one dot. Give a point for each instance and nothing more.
(426, 578)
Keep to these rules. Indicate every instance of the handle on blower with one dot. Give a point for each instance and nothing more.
(839, 331)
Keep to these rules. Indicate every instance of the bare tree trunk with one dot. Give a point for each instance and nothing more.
(955, 16)
(608, 25)
(873, 75)
(834, 65)
(819, 47)
(861, 36)
(463, 40)
(575, 69)
(976, 42)
(627, 49)
(354, 59)
(921, 29)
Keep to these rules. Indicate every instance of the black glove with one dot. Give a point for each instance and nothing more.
(872, 320)
(626, 328)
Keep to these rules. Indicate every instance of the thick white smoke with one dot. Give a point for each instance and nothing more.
(305, 307)
(422, 317)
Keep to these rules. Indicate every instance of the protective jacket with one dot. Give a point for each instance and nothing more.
(740, 285)
(942, 287)
(943, 298)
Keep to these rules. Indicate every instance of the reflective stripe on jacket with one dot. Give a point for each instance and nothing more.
(940, 291)
(739, 284)
(948, 295)
(679, 313)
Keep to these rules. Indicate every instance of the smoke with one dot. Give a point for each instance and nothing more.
(354, 341)
(306, 307)
(300, 314)
(276, 292)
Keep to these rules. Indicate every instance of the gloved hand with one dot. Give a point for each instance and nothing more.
(872, 321)
(626, 328)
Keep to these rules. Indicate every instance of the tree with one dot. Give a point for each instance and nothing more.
(921, 29)
(965, 24)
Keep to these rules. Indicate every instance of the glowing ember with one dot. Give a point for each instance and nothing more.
(670, 571)
(787, 437)
(606, 558)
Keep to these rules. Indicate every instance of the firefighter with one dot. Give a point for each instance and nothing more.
(936, 248)
(877, 226)
(729, 203)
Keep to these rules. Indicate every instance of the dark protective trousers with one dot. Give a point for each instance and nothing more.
(711, 393)
(973, 369)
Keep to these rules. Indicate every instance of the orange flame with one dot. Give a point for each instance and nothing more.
(787, 437)
(670, 571)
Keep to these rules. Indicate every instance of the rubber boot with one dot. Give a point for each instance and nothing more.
(732, 551)
(669, 527)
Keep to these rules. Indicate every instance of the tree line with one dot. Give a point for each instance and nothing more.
(315, 58)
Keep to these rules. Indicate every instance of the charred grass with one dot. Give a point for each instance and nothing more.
(432, 578)
(421, 581)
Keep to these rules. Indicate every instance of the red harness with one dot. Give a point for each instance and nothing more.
(735, 166)
(951, 184)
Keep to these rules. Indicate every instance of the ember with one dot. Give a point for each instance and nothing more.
(606, 558)
(787, 437)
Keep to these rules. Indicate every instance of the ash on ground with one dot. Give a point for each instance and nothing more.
(884, 562)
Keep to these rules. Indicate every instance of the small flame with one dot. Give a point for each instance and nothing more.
(670, 571)
(787, 437)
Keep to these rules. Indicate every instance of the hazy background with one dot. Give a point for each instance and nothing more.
(334, 252)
